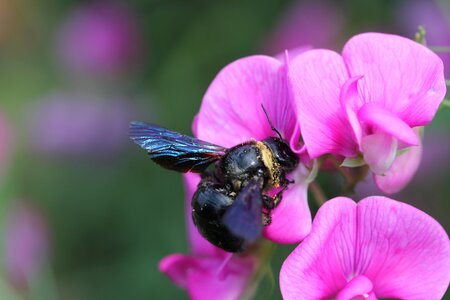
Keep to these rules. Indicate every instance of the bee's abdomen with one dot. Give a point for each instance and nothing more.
(208, 207)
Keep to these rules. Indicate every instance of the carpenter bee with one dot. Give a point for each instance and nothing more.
(239, 186)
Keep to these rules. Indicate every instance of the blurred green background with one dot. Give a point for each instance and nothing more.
(74, 73)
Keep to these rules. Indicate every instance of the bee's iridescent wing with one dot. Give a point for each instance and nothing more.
(244, 217)
(173, 150)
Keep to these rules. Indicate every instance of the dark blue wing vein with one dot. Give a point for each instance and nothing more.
(244, 217)
(173, 150)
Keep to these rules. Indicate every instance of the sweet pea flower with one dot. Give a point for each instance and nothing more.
(306, 23)
(377, 248)
(76, 124)
(365, 105)
(26, 245)
(101, 37)
(231, 114)
(207, 272)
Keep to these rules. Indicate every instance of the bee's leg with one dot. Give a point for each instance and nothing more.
(272, 202)
(267, 219)
(268, 202)
(277, 198)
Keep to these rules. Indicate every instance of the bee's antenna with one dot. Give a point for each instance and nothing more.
(270, 122)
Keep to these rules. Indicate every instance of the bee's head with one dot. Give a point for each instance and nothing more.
(282, 153)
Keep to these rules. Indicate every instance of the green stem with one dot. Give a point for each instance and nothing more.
(319, 195)
(264, 252)
(347, 177)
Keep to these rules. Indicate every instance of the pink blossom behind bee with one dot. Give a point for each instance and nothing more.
(26, 245)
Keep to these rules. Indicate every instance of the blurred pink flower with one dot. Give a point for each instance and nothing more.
(5, 140)
(434, 16)
(306, 23)
(207, 272)
(79, 124)
(378, 248)
(231, 114)
(365, 103)
(100, 38)
(26, 245)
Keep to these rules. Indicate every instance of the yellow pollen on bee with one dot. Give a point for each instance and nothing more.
(270, 163)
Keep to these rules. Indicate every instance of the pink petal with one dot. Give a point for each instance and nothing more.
(194, 125)
(399, 74)
(177, 267)
(26, 243)
(403, 251)
(293, 52)
(377, 117)
(207, 285)
(297, 147)
(379, 151)
(198, 244)
(295, 133)
(401, 172)
(400, 249)
(351, 102)
(358, 286)
(201, 276)
(317, 77)
(322, 264)
(291, 219)
(281, 111)
(231, 110)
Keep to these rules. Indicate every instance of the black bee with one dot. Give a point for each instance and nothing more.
(239, 186)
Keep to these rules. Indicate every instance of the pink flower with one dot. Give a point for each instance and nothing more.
(306, 23)
(77, 124)
(208, 272)
(231, 114)
(99, 38)
(378, 248)
(26, 245)
(365, 103)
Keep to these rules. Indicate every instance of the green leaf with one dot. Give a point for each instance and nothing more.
(314, 171)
